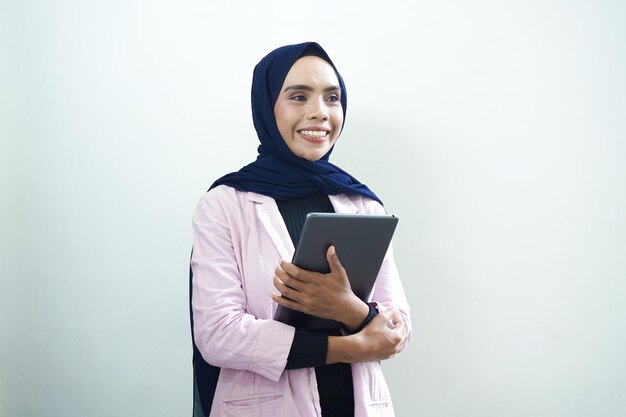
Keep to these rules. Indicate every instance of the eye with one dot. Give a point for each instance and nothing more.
(333, 98)
(298, 97)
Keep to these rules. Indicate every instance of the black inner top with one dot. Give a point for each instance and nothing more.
(309, 348)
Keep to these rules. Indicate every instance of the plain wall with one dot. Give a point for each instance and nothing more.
(495, 130)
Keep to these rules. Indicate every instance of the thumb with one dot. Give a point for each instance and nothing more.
(390, 314)
(333, 261)
(396, 322)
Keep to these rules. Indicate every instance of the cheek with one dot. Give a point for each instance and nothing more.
(282, 120)
(337, 123)
(283, 128)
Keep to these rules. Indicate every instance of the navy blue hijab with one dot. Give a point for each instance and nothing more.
(278, 172)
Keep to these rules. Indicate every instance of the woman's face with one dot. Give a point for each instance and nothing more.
(308, 111)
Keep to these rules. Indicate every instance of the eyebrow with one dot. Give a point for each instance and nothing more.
(308, 88)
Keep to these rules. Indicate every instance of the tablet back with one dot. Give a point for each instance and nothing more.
(361, 242)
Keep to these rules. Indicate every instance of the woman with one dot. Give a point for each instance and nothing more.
(248, 224)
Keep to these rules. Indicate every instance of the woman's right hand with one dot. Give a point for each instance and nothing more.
(381, 339)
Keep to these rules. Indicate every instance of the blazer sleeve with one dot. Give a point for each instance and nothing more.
(226, 335)
(388, 291)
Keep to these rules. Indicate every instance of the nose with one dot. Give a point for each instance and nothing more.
(317, 110)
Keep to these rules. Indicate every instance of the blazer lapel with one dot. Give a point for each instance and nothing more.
(343, 204)
(267, 211)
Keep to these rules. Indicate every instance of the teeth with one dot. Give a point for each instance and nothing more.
(314, 133)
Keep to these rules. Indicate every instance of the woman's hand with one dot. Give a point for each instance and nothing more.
(381, 339)
(327, 296)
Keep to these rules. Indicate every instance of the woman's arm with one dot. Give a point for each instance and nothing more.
(225, 333)
(381, 339)
(327, 296)
(330, 296)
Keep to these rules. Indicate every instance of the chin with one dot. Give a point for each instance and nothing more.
(313, 156)
(308, 151)
(308, 157)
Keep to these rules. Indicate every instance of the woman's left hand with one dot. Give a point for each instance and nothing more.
(327, 296)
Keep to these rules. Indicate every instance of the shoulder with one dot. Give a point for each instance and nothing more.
(222, 196)
(223, 200)
(230, 201)
(367, 205)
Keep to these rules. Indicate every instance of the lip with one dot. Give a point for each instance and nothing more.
(316, 128)
(311, 139)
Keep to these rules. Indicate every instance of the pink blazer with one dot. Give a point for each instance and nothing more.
(238, 240)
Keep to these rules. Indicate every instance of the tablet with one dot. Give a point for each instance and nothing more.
(361, 242)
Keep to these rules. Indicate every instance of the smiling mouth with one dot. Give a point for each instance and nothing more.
(317, 134)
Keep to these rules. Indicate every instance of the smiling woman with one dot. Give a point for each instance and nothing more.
(308, 111)
(245, 227)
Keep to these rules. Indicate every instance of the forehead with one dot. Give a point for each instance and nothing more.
(312, 71)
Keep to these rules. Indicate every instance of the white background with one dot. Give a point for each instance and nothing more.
(495, 130)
